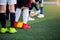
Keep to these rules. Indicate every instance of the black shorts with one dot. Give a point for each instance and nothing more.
(21, 3)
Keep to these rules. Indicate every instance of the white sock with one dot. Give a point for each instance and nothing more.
(25, 15)
(17, 14)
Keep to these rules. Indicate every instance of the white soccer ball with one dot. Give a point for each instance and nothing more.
(32, 13)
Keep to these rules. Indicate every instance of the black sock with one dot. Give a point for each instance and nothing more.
(3, 20)
(12, 19)
(35, 5)
(30, 10)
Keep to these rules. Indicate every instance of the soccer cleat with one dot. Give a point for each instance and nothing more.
(12, 30)
(19, 25)
(37, 12)
(40, 16)
(25, 26)
(4, 30)
(15, 24)
(31, 19)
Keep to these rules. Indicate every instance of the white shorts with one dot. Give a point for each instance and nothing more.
(9, 2)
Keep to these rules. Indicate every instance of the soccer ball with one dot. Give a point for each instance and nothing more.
(32, 13)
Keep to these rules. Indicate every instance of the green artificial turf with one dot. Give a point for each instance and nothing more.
(47, 28)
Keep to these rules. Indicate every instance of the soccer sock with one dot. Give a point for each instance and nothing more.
(36, 6)
(3, 20)
(41, 9)
(17, 14)
(30, 10)
(12, 19)
(25, 15)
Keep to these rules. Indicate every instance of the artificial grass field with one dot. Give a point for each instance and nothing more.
(47, 28)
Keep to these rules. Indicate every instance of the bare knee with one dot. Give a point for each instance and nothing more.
(11, 8)
(2, 8)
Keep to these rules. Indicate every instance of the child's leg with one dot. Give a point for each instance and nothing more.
(25, 15)
(17, 14)
(30, 13)
(41, 15)
(25, 18)
(12, 15)
(3, 18)
(12, 18)
(36, 6)
(2, 15)
(11, 4)
(41, 7)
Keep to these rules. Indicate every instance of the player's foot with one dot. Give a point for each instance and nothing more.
(25, 26)
(15, 24)
(12, 30)
(4, 30)
(40, 16)
(31, 19)
(37, 12)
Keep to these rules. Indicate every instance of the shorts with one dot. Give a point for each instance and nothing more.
(22, 3)
(9, 2)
